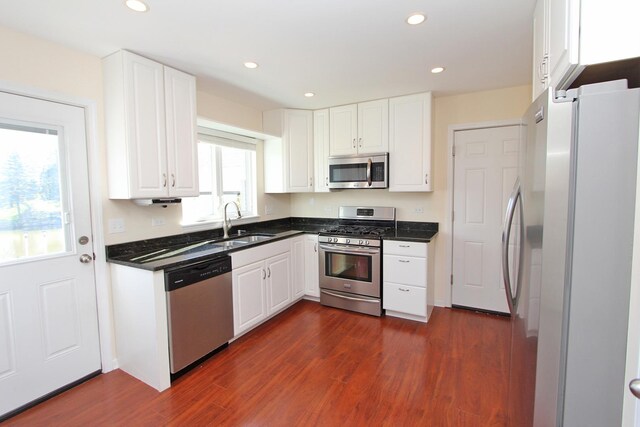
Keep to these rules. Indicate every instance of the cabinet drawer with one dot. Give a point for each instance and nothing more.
(405, 299)
(398, 247)
(405, 269)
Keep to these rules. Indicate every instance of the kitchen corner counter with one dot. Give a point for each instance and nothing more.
(414, 231)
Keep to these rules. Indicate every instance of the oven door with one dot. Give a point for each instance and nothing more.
(353, 269)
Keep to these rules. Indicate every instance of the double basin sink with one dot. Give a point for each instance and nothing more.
(217, 245)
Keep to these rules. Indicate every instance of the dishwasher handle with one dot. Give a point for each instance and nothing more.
(193, 273)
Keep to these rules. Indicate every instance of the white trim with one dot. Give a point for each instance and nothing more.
(447, 228)
(101, 271)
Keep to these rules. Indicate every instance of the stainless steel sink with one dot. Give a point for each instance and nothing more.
(241, 240)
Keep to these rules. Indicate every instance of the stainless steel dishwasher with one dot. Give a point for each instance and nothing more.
(200, 310)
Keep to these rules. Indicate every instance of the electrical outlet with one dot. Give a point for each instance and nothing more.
(419, 210)
(157, 221)
(268, 209)
(116, 225)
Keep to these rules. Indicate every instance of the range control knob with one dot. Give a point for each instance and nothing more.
(335, 240)
(359, 242)
(366, 242)
(348, 240)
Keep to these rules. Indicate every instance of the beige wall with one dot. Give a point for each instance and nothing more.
(502, 104)
(32, 62)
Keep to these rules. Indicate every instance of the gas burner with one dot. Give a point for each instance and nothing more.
(361, 230)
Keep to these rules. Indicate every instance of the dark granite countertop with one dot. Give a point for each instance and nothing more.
(143, 253)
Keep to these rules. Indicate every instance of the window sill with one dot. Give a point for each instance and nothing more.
(216, 223)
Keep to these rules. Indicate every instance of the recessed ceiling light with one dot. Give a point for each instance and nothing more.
(137, 5)
(415, 19)
(437, 70)
(309, 94)
(251, 65)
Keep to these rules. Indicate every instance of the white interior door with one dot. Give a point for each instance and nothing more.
(48, 316)
(485, 170)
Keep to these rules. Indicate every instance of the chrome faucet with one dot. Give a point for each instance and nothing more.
(226, 224)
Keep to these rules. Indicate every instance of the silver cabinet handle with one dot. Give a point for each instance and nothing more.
(426, 178)
(173, 180)
(404, 246)
(315, 247)
(164, 179)
(360, 142)
(354, 143)
(404, 261)
(268, 271)
(86, 258)
(310, 181)
(634, 386)
(326, 181)
(264, 274)
(403, 290)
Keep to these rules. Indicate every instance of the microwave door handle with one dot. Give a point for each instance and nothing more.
(369, 163)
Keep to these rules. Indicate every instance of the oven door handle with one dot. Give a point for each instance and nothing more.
(348, 249)
(373, 301)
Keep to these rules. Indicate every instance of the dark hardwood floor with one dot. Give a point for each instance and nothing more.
(314, 365)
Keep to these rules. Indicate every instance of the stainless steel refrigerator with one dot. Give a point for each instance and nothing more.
(567, 249)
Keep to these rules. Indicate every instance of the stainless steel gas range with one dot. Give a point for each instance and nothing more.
(351, 259)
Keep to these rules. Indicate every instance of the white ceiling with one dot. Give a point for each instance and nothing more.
(343, 50)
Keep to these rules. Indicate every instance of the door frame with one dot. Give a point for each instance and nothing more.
(101, 271)
(448, 221)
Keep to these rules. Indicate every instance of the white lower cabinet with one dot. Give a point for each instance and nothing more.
(405, 298)
(298, 256)
(408, 288)
(261, 283)
(278, 282)
(311, 267)
(249, 296)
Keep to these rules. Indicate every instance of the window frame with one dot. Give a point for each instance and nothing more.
(219, 140)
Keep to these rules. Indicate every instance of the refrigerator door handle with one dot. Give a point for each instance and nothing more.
(506, 236)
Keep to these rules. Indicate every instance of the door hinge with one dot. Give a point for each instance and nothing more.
(452, 280)
(94, 256)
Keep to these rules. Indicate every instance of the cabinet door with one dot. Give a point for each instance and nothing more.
(321, 150)
(540, 79)
(373, 126)
(405, 299)
(564, 21)
(180, 105)
(311, 267)
(343, 129)
(145, 126)
(249, 296)
(278, 281)
(298, 264)
(298, 134)
(410, 143)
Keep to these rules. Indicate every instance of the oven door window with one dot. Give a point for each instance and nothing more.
(348, 266)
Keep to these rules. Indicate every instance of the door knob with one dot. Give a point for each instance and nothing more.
(86, 258)
(634, 386)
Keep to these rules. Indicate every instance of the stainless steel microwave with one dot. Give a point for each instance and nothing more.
(359, 171)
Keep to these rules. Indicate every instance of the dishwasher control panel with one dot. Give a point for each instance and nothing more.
(187, 275)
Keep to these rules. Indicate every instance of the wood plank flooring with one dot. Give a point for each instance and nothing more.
(314, 365)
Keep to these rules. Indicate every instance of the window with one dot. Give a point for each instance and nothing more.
(227, 172)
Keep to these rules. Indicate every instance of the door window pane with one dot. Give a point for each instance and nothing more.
(31, 202)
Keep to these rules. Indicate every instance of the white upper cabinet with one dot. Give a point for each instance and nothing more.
(571, 34)
(150, 116)
(288, 159)
(359, 128)
(410, 143)
(321, 150)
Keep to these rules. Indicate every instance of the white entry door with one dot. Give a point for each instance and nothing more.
(48, 317)
(485, 170)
